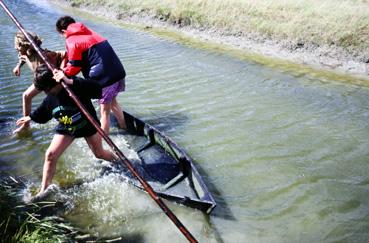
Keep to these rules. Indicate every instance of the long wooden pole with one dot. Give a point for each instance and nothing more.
(117, 151)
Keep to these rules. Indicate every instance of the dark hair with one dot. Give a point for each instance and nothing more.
(63, 22)
(43, 78)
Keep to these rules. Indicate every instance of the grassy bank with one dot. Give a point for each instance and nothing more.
(33, 222)
(342, 23)
(21, 222)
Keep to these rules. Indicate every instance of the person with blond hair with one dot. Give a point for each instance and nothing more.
(28, 55)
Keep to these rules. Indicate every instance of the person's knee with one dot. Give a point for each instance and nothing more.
(99, 154)
(114, 102)
(50, 155)
(105, 108)
(116, 108)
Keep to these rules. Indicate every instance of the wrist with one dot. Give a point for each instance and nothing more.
(69, 80)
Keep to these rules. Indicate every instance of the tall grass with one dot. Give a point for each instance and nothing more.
(35, 222)
(344, 23)
(21, 222)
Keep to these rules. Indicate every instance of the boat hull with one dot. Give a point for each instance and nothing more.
(166, 167)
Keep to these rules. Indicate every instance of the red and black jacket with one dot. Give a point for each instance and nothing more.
(92, 54)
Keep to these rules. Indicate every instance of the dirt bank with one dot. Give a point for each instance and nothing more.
(328, 58)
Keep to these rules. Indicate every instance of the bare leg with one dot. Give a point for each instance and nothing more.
(27, 105)
(57, 146)
(118, 113)
(95, 144)
(105, 117)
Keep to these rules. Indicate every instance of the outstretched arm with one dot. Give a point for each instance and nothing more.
(17, 70)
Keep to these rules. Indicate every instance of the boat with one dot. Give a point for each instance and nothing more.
(165, 166)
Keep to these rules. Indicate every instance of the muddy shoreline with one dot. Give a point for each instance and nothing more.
(327, 58)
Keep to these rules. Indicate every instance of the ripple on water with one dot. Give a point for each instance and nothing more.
(287, 153)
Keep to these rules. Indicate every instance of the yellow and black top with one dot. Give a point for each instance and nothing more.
(71, 120)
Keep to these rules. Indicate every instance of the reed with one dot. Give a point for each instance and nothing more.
(21, 222)
(343, 23)
(36, 222)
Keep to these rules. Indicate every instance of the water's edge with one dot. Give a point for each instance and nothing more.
(271, 53)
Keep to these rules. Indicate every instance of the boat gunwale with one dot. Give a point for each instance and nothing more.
(182, 158)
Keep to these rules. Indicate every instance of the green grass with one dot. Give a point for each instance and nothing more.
(21, 222)
(35, 222)
(280, 64)
(343, 23)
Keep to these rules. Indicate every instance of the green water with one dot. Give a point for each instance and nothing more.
(285, 154)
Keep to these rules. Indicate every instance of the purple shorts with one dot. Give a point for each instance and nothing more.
(110, 92)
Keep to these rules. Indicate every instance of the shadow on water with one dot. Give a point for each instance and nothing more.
(164, 122)
(222, 209)
(167, 122)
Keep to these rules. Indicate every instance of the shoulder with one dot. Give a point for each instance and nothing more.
(54, 53)
(74, 40)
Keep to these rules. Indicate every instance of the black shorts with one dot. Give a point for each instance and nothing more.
(84, 130)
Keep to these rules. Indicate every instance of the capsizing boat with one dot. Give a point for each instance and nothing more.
(165, 166)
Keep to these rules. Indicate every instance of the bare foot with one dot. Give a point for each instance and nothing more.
(42, 195)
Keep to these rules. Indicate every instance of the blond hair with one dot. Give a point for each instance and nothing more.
(20, 40)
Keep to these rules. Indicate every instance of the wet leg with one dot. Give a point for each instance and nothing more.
(105, 117)
(118, 113)
(57, 146)
(95, 144)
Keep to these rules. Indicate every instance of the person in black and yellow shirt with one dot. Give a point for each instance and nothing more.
(71, 122)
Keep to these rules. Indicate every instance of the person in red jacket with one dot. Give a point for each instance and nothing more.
(93, 55)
